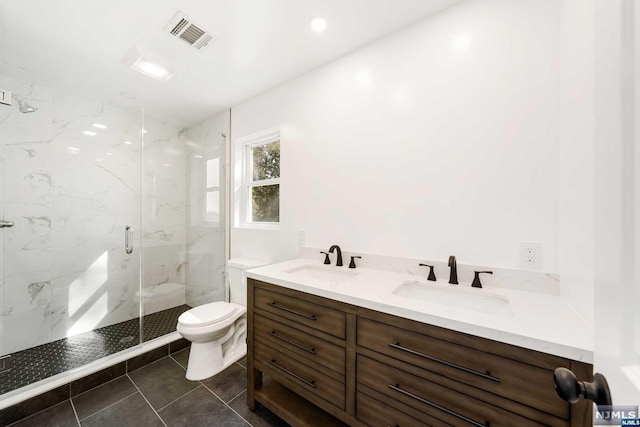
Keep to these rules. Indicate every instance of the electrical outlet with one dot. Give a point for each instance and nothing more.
(302, 237)
(530, 254)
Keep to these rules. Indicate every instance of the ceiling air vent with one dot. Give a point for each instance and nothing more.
(183, 28)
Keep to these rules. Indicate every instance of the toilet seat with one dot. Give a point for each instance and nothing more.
(207, 314)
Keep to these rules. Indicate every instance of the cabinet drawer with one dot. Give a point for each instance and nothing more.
(313, 315)
(290, 371)
(521, 382)
(377, 414)
(312, 348)
(433, 399)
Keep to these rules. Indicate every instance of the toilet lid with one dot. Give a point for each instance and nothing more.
(206, 314)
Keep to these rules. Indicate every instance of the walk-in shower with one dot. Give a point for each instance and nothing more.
(109, 230)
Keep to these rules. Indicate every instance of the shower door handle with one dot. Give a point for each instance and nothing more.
(6, 224)
(128, 239)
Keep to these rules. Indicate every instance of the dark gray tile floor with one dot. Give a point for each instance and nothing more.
(159, 395)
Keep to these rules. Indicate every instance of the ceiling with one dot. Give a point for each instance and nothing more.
(79, 46)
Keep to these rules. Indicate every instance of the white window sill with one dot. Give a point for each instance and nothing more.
(260, 225)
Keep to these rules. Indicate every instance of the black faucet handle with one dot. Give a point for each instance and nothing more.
(432, 274)
(476, 278)
(326, 257)
(352, 264)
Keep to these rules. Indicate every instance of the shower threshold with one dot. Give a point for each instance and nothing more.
(38, 363)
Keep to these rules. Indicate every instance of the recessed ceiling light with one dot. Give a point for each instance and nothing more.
(318, 24)
(99, 126)
(166, 165)
(152, 69)
(108, 154)
(73, 149)
(128, 142)
(90, 133)
(143, 131)
(197, 156)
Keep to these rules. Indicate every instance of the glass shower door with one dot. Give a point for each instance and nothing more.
(71, 186)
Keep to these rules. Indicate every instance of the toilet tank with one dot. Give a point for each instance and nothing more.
(237, 280)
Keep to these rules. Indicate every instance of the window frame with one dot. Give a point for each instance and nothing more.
(248, 183)
(206, 218)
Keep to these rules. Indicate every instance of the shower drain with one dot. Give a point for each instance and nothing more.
(126, 340)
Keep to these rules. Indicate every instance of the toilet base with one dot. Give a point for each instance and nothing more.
(206, 359)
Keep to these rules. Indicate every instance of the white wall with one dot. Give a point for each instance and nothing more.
(576, 154)
(441, 139)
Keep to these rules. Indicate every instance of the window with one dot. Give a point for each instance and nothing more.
(262, 179)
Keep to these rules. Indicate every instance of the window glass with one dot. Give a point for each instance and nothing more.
(213, 204)
(265, 203)
(259, 201)
(266, 161)
(213, 172)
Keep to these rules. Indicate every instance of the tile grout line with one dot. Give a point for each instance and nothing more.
(98, 386)
(227, 405)
(33, 415)
(234, 397)
(106, 407)
(179, 364)
(145, 399)
(174, 401)
(144, 366)
(75, 412)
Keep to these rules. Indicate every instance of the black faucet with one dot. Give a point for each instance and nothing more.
(453, 276)
(339, 260)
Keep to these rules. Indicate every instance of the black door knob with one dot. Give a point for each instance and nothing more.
(570, 389)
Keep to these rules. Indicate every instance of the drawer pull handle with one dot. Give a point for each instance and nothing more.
(288, 341)
(451, 365)
(436, 406)
(311, 383)
(288, 310)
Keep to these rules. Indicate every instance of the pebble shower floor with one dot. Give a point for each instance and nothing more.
(37, 363)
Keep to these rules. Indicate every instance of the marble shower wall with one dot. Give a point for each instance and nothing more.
(205, 245)
(64, 269)
(163, 210)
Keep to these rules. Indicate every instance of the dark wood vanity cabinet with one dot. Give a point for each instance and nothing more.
(316, 361)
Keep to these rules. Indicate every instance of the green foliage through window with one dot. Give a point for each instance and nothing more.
(266, 161)
(265, 199)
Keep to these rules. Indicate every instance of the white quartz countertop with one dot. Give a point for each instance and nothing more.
(536, 321)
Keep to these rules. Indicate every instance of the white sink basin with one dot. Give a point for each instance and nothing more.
(453, 296)
(327, 274)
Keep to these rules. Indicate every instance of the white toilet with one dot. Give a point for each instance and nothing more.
(218, 330)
